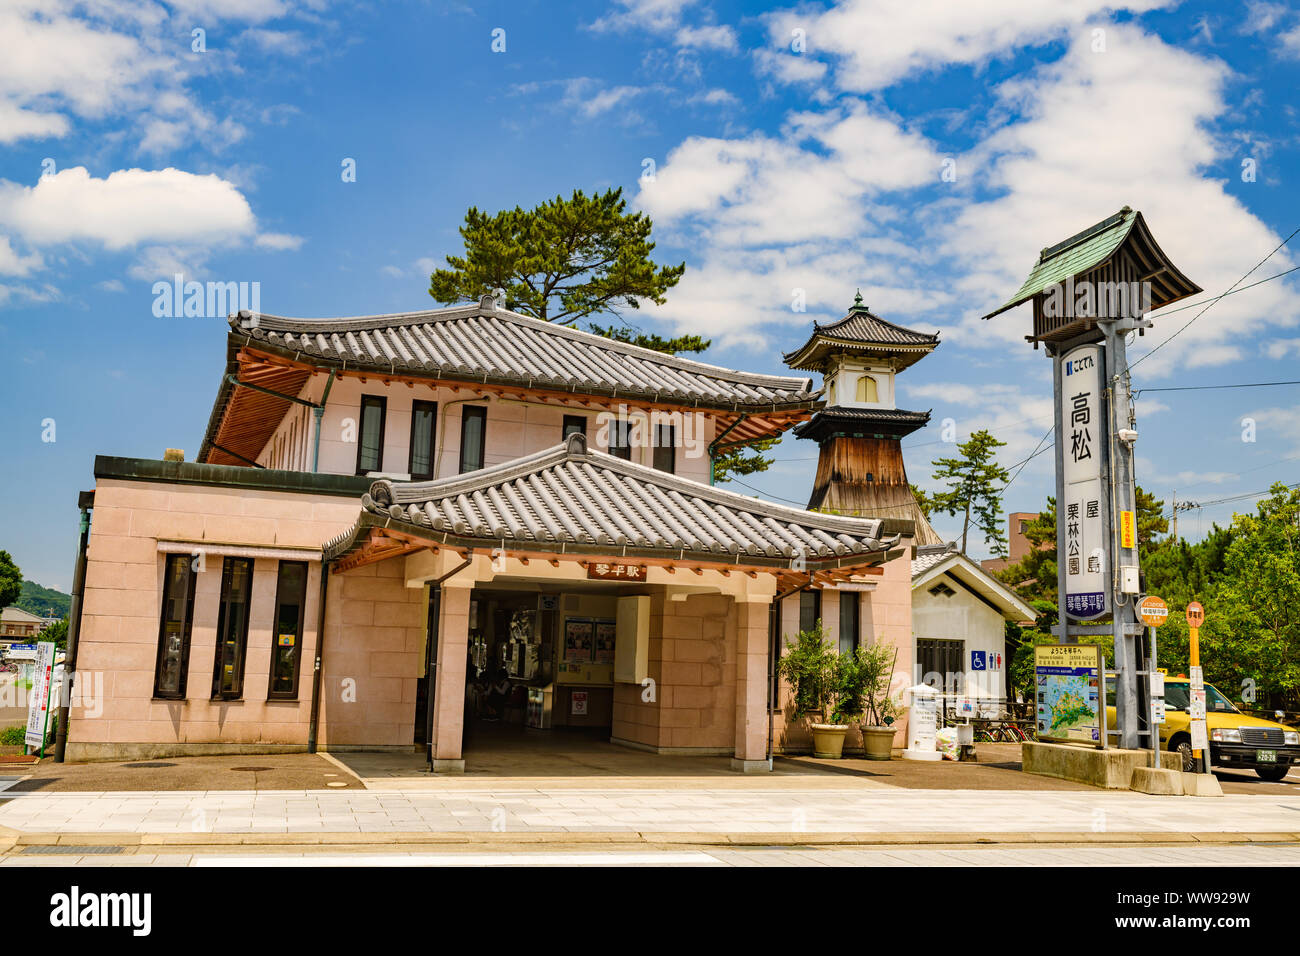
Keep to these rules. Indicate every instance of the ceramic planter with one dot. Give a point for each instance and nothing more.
(878, 742)
(828, 740)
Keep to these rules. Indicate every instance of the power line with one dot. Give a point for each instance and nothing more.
(1035, 454)
(1192, 305)
(1196, 388)
(767, 494)
(1223, 501)
(1211, 302)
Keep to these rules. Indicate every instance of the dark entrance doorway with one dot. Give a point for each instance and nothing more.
(423, 697)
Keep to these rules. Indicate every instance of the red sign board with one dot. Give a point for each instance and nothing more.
(609, 571)
(1195, 614)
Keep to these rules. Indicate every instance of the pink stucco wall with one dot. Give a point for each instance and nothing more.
(514, 429)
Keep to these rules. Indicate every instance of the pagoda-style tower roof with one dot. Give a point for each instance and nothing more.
(1118, 250)
(837, 422)
(861, 331)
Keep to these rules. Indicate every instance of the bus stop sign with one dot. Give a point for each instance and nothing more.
(1153, 611)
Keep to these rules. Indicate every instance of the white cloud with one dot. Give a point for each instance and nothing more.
(97, 59)
(278, 241)
(655, 15)
(878, 42)
(13, 264)
(813, 183)
(127, 208)
(708, 38)
(251, 11)
(17, 123)
(1281, 348)
(164, 262)
(716, 97)
(603, 101)
(1277, 427)
(1041, 176)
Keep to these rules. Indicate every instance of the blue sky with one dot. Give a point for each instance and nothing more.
(798, 148)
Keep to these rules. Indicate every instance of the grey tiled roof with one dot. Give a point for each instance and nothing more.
(485, 344)
(928, 557)
(864, 326)
(863, 331)
(895, 421)
(569, 498)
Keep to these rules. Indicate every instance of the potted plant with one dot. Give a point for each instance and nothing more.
(866, 675)
(815, 673)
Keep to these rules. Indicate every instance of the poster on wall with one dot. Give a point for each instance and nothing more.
(578, 703)
(606, 631)
(577, 640)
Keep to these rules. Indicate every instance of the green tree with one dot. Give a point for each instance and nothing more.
(56, 632)
(1257, 599)
(923, 500)
(11, 580)
(743, 460)
(562, 261)
(974, 481)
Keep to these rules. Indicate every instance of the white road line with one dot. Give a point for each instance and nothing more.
(612, 858)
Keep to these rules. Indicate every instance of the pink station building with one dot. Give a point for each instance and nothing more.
(401, 525)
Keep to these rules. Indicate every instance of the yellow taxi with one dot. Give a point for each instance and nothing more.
(1237, 741)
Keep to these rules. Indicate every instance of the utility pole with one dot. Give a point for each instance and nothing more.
(1124, 585)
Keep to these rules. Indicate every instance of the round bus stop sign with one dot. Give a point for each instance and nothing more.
(1153, 611)
(1195, 614)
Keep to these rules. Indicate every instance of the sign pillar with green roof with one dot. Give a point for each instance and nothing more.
(1089, 292)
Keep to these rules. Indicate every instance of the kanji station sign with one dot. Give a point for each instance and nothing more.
(1082, 429)
(616, 572)
(1153, 611)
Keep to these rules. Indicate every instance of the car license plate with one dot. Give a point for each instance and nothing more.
(1266, 756)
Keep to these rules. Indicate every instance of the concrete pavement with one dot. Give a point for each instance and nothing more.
(850, 813)
(1183, 857)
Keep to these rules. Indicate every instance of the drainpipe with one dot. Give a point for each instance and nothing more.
(85, 501)
(314, 726)
(713, 446)
(319, 412)
(430, 650)
(773, 652)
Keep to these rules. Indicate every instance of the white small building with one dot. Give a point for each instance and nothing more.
(959, 615)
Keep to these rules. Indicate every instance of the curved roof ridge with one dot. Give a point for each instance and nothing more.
(575, 448)
(277, 323)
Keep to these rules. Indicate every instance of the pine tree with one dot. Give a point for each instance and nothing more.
(974, 481)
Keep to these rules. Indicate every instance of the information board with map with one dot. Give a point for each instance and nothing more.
(1067, 683)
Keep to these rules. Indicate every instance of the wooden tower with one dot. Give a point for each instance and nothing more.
(860, 465)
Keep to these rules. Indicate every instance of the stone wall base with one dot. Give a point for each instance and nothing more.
(152, 751)
(1110, 769)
